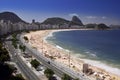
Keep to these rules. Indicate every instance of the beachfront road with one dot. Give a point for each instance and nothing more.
(57, 68)
(28, 73)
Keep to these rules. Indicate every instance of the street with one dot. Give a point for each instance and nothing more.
(29, 74)
(58, 69)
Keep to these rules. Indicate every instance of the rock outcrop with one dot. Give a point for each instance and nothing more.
(75, 21)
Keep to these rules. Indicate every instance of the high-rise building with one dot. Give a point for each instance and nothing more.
(33, 21)
(85, 68)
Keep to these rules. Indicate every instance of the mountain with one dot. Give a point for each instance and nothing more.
(10, 16)
(76, 21)
(55, 20)
(91, 25)
(102, 26)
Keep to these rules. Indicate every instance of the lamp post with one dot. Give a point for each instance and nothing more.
(42, 46)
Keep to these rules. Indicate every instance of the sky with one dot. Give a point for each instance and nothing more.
(89, 11)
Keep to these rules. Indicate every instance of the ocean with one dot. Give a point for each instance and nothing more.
(100, 48)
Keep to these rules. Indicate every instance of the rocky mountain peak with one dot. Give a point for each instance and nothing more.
(75, 21)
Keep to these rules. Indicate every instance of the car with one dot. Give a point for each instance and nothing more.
(52, 78)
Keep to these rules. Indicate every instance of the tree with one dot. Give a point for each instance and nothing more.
(4, 56)
(17, 77)
(49, 73)
(15, 45)
(5, 71)
(22, 48)
(14, 35)
(0, 45)
(35, 63)
(66, 77)
(26, 38)
(14, 40)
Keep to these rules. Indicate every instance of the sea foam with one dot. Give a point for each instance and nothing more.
(59, 47)
(48, 36)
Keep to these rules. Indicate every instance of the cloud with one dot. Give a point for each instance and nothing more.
(96, 17)
(103, 17)
(73, 14)
(91, 17)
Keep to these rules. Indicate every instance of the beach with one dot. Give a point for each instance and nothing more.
(37, 39)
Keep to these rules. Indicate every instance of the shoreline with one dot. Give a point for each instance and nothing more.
(108, 68)
(56, 51)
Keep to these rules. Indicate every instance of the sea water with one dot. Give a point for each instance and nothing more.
(97, 47)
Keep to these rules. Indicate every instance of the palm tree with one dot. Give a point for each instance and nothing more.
(49, 73)
(66, 77)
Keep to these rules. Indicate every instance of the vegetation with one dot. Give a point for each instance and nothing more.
(14, 41)
(35, 63)
(55, 21)
(14, 35)
(25, 38)
(22, 48)
(76, 79)
(102, 26)
(6, 70)
(4, 56)
(49, 73)
(66, 77)
(17, 77)
(15, 45)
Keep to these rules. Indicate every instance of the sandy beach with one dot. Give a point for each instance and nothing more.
(37, 39)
